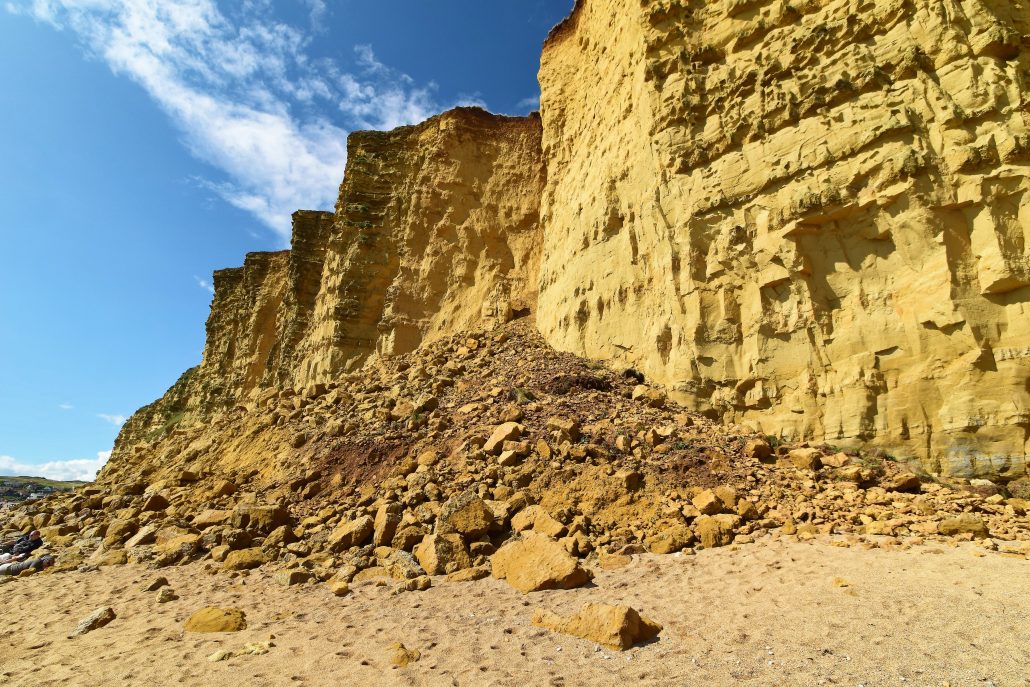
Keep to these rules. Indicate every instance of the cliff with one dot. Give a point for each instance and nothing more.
(435, 231)
(805, 217)
(810, 217)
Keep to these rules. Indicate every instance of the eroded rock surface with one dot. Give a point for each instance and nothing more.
(809, 216)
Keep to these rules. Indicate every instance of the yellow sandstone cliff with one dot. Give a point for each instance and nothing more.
(436, 231)
(807, 216)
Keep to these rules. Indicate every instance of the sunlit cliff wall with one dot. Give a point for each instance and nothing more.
(808, 216)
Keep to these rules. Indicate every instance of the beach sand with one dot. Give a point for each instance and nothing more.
(777, 612)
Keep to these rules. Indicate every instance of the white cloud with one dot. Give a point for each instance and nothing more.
(246, 94)
(83, 469)
(205, 284)
(528, 104)
(316, 12)
(65, 406)
(116, 420)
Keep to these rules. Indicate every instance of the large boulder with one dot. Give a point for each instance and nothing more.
(212, 619)
(177, 542)
(806, 458)
(465, 514)
(616, 627)
(716, 530)
(440, 554)
(536, 563)
(146, 535)
(245, 559)
(387, 519)
(155, 502)
(353, 533)
(707, 503)
(905, 481)
(671, 539)
(400, 565)
(508, 431)
(118, 530)
(211, 518)
(967, 523)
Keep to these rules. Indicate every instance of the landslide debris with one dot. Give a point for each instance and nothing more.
(464, 455)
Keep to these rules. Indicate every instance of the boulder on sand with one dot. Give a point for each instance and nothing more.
(616, 627)
(535, 563)
(212, 619)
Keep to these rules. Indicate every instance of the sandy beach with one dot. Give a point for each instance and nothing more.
(778, 612)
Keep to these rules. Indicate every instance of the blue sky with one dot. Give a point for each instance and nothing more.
(145, 144)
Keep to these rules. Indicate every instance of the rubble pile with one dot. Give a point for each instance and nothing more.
(491, 453)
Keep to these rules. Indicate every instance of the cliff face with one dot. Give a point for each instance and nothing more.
(808, 216)
(435, 231)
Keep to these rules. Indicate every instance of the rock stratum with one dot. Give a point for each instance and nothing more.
(806, 218)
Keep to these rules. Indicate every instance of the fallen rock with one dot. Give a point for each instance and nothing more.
(211, 518)
(466, 514)
(759, 449)
(671, 540)
(417, 584)
(707, 502)
(111, 557)
(353, 533)
(468, 575)
(146, 535)
(388, 517)
(538, 520)
(262, 519)
(728, 496)
(156, 502)
(905, 481)
(443, 553)
(245, 559)
(967, 523)
(654, 398)
(806, 458)
(401, 656)
(118, 530)
(616, 627)
(508, 431)
(536, 563)
(165, 594)
(155, 584)
(837, 460)
(852, 473)
(567, 427)
(339, 586)
(716, 530)
(213, 619)
(290, 578)
(94, 621)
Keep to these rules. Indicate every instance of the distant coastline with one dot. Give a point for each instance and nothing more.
(21, 488)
